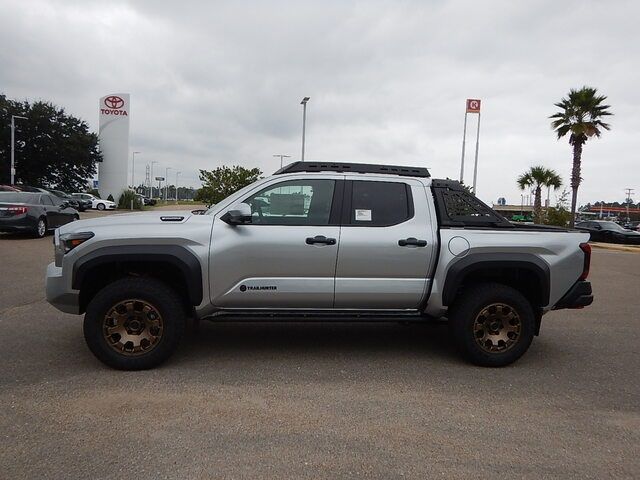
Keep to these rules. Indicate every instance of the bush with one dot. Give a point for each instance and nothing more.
(124, 202)
(110, 198)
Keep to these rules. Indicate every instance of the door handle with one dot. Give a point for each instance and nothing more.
(320, 239)
(412, 242)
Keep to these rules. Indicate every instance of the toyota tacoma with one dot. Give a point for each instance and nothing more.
(333, 241)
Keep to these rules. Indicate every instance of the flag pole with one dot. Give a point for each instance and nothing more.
(475, 167)
(464, 136)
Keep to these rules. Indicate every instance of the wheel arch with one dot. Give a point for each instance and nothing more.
(175, 265)
(527, 273)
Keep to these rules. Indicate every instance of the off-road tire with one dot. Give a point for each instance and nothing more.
(160, 296)
(467, 309)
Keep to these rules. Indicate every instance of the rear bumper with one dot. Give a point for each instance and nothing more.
(578, 296)
(58, 295)
(19, 223)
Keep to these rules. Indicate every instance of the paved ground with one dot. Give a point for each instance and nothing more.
(320, 401)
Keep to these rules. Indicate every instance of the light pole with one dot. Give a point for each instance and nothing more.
(177, 174)
(152, 178)
(166, 184)
(13, 145)
(304, 121)
(282, 156)
(133, 167)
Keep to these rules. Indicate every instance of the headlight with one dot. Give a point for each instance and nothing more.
(68, 241)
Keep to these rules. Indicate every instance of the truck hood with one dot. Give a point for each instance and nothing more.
(133, 219)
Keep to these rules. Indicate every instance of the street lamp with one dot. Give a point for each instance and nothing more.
(177, 174)
(152, 179)
(304, 121)
(166, 184)
(13, 145)
(281, 157)
(133, 167)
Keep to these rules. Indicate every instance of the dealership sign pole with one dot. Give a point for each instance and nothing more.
(114, 116)
(473, 106)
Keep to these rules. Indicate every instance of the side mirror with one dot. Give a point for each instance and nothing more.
(238, 214)
(64, 205)
(598, 227)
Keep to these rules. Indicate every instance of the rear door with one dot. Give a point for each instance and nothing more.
(53, 217)
(286, 257)
(386, 244)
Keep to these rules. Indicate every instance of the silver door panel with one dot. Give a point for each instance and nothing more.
(290, 293)
(380, 293)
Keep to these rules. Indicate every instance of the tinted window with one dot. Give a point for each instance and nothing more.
(380, 203)
(18, 197)
(296, 202)
(45, 200)
(57, 201)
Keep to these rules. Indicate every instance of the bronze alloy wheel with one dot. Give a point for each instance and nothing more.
(497, 328)
(132, 327)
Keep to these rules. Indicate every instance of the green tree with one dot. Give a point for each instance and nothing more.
(581, 117)
(218, 184)
(536, 178)
(559, 215)
(53, 149)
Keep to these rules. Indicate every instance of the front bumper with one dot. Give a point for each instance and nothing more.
(64, 299)
(578, 296)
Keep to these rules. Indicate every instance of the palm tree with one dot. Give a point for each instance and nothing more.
(581, 117)
(538, 177)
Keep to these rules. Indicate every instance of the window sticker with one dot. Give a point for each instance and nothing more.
(363, 215)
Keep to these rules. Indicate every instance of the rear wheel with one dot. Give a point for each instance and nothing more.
(134, 323)
(41, 228)
(492, 324)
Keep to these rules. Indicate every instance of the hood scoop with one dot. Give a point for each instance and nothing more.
(172, 218)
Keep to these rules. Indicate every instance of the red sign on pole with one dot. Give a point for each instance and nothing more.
(473, 105)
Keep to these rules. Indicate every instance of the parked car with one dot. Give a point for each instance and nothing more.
(34, 212)
(319, 240)
(8, 188)
(608, 232)
(146, 200)
(96, 203)
(78, 203)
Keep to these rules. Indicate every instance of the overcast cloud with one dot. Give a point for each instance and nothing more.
(220, 83)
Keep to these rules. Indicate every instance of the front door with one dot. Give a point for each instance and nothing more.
(286, 257)
(386, 245)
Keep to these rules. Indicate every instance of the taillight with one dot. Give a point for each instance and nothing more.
(586, 248)
(15, 210)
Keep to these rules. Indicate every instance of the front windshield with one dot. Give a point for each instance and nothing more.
(240, 193)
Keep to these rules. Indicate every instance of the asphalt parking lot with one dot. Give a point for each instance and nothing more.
(320, 400)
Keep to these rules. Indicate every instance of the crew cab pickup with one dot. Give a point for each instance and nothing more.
(333, 241)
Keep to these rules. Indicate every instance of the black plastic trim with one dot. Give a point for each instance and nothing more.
(490, 261)
(579, 295)
(342, 167)
(176, 255)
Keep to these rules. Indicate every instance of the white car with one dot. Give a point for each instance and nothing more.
(97, 203)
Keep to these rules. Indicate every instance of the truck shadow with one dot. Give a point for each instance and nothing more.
(321, 339)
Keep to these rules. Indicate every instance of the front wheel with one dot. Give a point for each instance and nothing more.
(134, 323)
(492, 324)
(100, 206)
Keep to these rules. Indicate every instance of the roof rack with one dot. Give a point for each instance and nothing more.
(353, 168)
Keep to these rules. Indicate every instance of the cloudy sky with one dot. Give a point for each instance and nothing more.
(216, 83)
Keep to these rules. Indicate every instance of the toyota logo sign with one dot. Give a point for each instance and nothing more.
(113, 101)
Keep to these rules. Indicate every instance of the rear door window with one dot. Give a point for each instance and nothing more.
(379, 204)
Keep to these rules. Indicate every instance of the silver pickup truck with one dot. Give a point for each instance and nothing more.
(334, 241)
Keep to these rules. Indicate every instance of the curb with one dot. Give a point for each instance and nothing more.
(615, 247)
